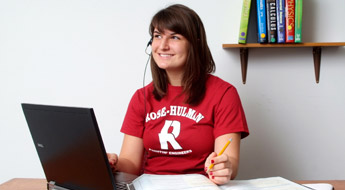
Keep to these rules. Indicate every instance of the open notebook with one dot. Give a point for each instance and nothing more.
(201, 182)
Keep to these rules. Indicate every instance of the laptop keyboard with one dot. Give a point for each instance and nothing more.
(121, 186)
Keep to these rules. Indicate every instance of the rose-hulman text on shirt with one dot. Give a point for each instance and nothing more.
(175, 111)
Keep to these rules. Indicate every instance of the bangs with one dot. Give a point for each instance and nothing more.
(165, 20)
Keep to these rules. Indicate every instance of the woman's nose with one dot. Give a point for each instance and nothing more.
(164, 44)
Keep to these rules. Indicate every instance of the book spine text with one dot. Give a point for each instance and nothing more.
(271, 12)
(261, 21)
(281, 21)
(290, 21)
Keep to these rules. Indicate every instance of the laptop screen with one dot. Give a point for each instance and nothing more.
(70, 147)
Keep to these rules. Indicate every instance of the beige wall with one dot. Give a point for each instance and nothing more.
(91, 53)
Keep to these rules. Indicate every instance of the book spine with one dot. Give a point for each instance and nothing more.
(290, 21)
(244, 22)
(271, 12)
(281, 21)
(298, 20)
(261, 21)
(252, 34)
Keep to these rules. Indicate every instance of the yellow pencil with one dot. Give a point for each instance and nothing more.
(220, 153)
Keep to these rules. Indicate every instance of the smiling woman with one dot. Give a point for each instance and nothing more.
(182, 24)
(178, 123)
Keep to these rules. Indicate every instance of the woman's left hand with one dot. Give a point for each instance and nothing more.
(222, 169)
(113, 159)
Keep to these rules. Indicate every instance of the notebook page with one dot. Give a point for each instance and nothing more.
(270, 183)
(319, 186)
(173, 182)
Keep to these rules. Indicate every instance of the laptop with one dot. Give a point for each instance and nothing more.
(71, 150)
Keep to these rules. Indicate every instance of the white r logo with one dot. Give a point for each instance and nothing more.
(165, 137)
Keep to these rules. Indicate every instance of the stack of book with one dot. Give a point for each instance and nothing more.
(277, 21)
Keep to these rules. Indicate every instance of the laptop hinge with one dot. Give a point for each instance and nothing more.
(130, 186)
(52, 186)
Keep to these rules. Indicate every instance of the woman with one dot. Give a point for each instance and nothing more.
(178, 123)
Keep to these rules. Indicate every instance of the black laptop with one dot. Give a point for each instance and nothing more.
(70, 148)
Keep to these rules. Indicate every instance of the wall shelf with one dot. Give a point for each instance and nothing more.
(244, 51)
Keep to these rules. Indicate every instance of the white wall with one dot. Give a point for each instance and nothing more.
(90, 53)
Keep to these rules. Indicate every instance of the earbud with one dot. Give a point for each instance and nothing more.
(149, 43)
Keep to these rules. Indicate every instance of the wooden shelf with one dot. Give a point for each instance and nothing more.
(244, 50)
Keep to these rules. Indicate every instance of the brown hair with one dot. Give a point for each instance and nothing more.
(184, 21)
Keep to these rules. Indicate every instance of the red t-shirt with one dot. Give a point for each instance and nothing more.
(178, 137)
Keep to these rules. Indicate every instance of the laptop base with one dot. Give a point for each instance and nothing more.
(51, 186)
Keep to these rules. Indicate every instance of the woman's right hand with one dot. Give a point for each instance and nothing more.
(113, 159)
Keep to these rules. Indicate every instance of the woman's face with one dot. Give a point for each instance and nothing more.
(170, 50)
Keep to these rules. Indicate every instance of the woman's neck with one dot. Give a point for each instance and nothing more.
(175, 79)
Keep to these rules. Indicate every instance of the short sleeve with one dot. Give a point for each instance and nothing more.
(133, 123)
(229, 115)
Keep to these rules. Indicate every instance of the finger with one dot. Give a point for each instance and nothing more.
(225, 172)
(210, 157)
(219, 166)
(112, 158)
(208, 160)
(110, 155)
(219, 159)
(220, 180)
(222, 165)
(218, 163)
(221, 176)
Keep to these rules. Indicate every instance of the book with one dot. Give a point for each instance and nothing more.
(252, 32)
(298, 20)
(201, 182)
(271, 13)
(280, 21)
(290, 21)
(261, 21)
(244, 21)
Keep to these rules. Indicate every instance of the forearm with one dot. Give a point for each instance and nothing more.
(232, 152)
(131, 156)
(128, 166)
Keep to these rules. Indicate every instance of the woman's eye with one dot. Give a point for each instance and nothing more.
(157, 36)
(175, 37)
